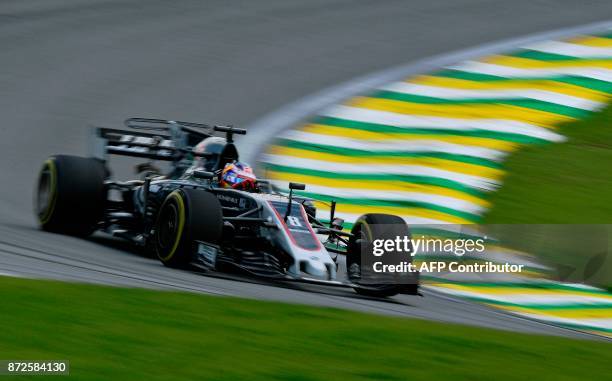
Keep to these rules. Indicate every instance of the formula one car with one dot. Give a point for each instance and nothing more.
(187, 216)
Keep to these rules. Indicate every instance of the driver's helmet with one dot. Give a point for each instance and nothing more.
(213, 145)
(238, 175)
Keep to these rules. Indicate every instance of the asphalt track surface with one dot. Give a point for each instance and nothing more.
(68, 64)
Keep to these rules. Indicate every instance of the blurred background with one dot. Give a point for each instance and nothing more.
(67, 65)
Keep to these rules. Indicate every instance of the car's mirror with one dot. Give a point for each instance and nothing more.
(297, 186)
(337, 223)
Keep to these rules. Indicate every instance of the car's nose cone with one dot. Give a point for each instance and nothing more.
(316, 268)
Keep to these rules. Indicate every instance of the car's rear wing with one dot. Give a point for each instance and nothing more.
(199, 130)
(108, 141)
(155, 139)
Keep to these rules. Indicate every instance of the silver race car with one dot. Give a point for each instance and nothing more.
(208, 211)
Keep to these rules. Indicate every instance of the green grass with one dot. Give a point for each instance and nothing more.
(570, 182)
(131, 334)
(567, 183)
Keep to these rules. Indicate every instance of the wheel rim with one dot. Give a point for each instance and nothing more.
(353, 262)
(46, 192)
(168, 227)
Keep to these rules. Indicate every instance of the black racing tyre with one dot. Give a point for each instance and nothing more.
(185, 216)
(366, 229)
(71, 195)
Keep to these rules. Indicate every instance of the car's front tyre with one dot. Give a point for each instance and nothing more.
(367, 229)
(187, 215)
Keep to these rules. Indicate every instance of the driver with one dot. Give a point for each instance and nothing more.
(238, 175)
(231, 172)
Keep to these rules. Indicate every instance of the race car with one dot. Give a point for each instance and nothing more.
(208, 210)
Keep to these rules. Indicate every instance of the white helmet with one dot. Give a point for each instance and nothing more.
(213, 145)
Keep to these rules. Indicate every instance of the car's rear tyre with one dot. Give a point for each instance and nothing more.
(71, 195)
(186, 216)
(366, 229)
